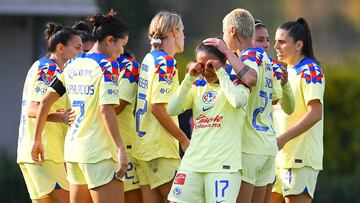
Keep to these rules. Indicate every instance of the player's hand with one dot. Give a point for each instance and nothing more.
(37, 151)
(195, 69)
(280, 142)
(185, 144)
(284, 76)
(218, 43)
(123, 164)
(215, 64)
(68, 116)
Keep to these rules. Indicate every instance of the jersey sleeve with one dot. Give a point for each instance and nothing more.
(277, 90)
(163, 86)
(109, 87)
(183, 97)
(253, 59)
(236, 94)
(313, 83)
(43, 78)
(128, 82)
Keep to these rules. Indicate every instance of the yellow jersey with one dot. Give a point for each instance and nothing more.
(158, 80)
(308, 83)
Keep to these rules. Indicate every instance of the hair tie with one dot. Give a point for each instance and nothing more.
(155, 41)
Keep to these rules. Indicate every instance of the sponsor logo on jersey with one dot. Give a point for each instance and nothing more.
(203, 121)
(180, 179)
(209, 97)
(113, 92)
(206, 109)
(165, 90)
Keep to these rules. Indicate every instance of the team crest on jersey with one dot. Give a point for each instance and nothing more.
(169, 78)
(177, 192)
(209, 97)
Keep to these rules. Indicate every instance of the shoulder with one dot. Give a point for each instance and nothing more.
(162, 59)
(276, 67)
(254, 55)
(46, 69)
(130, 67)
(310, 71)
(199, 83)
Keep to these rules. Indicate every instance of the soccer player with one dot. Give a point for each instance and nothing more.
(301, 133)
(85, 34)
(286, 99)
(93, 146)
(128, 85)
(254, 68)
(47, 182)
(210, 168)
(156, 148)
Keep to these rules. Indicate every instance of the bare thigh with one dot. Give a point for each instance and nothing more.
(300, 198)
(149, 195)
(80, 194)
(258, 195)
(110, 192)
(276, 198)
(60, 196)
(133, 196)
(43, 200)
(246, 192)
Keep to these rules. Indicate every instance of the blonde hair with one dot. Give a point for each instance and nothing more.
(242, 20)
(161, 25)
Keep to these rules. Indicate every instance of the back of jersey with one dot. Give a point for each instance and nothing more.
(259, 137)
(91, 80)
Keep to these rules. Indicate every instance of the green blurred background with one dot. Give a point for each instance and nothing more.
(335, 27)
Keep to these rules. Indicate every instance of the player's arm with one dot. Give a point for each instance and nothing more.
(121, 106)
(49, 98)
(177, 103)
(309, 119)
(128, 85)
(287, 100)
(65, 116)
(244, 72)
(110, 121)
(159, 111)
(236, 94)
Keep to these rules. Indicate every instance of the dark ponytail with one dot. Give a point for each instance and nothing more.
(299, 30)
(56, 34)
(108, 25)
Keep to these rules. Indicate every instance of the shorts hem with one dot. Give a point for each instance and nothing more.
(265, 183)
(108, 180)
(297, 193)
(247, 180)
(127, 189)
(159, 183)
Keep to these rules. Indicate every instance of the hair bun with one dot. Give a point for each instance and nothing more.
(51, 29)
(99, 19)
(82, 26)
(301, 20)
